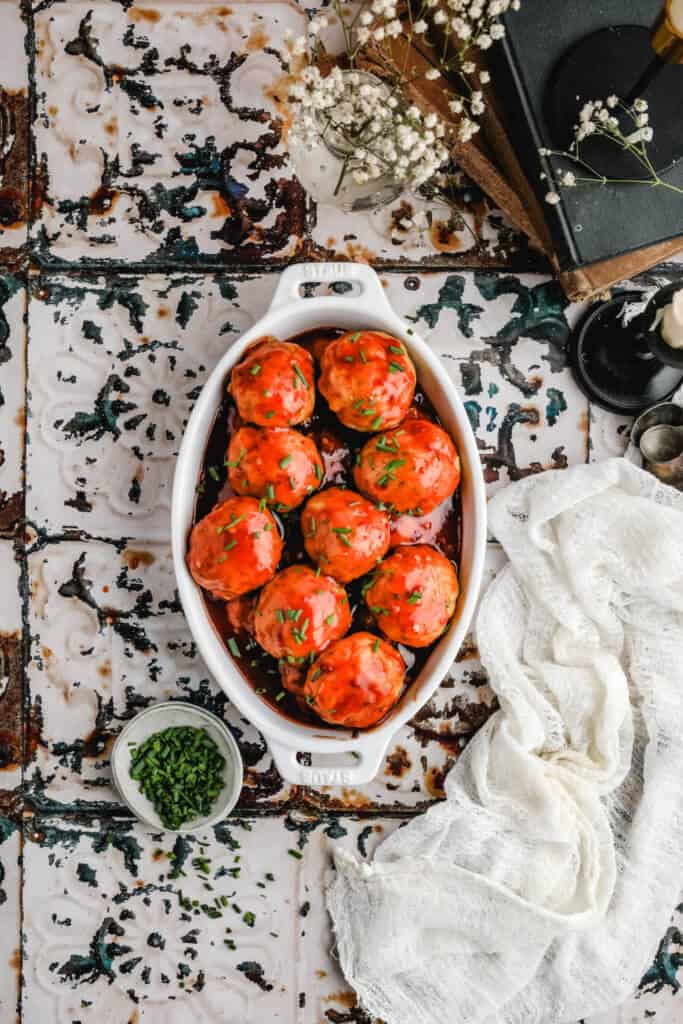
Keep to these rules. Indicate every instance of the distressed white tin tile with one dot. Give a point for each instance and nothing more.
(11, 676)
(12, 397)
(13, 131)
(107, 638)
(504, 342)
(158, 132)
(608, 434)
(10, 904)
(115, 365)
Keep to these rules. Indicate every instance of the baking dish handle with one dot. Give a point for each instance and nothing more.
(371, 289)
(366, 763)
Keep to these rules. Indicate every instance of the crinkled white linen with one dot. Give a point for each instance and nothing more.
(539, 889)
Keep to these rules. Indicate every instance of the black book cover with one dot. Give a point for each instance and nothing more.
(595, 222)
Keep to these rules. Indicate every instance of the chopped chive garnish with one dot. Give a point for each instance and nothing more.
(269, 414)
(270, 492)
(234, 521)
(318, 471)
(280, 696)
(348, 359)
(255, 369)
(342, 529)
(266, 393)
(368, 412)
(309, 698)
(262, 505)
(363, 357)
(415, 597)
(357, 404)
(396, 368)
(285, 462)
(230, 545)
(236, 462)
(396, 350)
(330, 620)
(234, 649)
(213, 473)
(280, 615)
(376, 423)
(317, 571)
(375, 646)
(299, 374)
(267, 527)
(355, 337)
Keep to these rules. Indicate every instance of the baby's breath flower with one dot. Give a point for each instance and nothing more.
(553, 198)
(432, 74)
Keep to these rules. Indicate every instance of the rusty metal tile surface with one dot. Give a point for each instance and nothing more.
(11, 679)
(160, 139)
(10, 909)
(107, 638)
(12, 387)
(229, 925)
(13, 134)
(115, 365)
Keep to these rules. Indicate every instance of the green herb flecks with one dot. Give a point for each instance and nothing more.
(299, 374)
(255, 369)
(180, 770)
(285, 462)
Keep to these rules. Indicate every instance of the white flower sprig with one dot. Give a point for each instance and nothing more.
(626, 126)
(382, 131)
(371, 128)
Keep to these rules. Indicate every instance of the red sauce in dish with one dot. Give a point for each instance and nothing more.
(338, 446)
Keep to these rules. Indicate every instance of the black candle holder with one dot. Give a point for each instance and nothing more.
(622, 365)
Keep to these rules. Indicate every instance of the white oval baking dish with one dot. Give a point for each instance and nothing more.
(290, 314)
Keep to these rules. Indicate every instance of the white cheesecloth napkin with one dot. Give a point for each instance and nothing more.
(539, 889)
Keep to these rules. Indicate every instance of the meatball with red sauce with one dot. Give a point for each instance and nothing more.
(300, 612)
(355, 682)
(344, 533)
(413, 595)
(234, 549)
(273, 385)
(278, 464)
(368, 380)
(413, 468)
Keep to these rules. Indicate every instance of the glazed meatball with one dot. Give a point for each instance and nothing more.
(273, 385)
(413, 468)
(235, 548)
(344, 533)
(413, 595)
(300, 612)
(355, 682)
(274, 463)
(368, 380)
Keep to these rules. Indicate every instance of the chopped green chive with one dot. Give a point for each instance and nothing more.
(415, 597)
(348, 359)
(280, 615)
(280, 696)
(376, 423)
(213, 473)
(236, 462)
(396, 368)
(230, 545)
(180, 771)
(363, 357)
(357, 404)
(234, 649)
(262, 505)
(269, 415)
(330, 620)
(266, 393)
(255, 369)
(285, 462)
(267, 527)
(270, 492)
(375, 646)
(355, 337)
(396, 350)
(299, 374)
(318, 471)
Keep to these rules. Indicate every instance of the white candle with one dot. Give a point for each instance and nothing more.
(671, 325)
(676, 16)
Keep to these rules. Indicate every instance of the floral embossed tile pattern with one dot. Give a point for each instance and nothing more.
(227, 925)
(12, 390)
(157, 132)
(13, 134)
(115, 365)
(107, 639)
(161, 139)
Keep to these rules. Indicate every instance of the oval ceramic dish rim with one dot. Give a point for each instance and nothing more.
(196, 716)
(287, 316)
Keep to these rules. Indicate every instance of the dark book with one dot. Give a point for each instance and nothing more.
(597, 222)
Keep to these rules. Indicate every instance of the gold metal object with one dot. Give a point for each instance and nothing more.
(667, 39)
